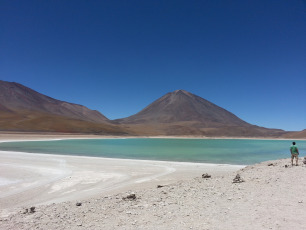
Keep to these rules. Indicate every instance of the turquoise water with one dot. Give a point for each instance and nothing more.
(220, 151)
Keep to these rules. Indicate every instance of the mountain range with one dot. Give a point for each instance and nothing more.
(23, 109)
(176, 113)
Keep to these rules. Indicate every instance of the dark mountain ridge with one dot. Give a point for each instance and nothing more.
(176, 113)
(23, 109)
(16, 98)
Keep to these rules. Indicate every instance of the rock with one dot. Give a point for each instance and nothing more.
(286, 166)
(271, 164)
(160, 186)
(78, 204)
(32, 209)
(206, 175)
(131, 196)
(238, 179)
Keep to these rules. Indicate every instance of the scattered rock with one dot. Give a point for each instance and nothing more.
(32, 209)
(271, 164)
(131, 196)
(160, 186)
(206, 175)
(78, 204)
(286, 166)
(238, 179)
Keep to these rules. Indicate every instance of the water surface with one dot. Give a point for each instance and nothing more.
(221, 151)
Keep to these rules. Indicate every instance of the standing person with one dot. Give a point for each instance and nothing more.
(294, 153)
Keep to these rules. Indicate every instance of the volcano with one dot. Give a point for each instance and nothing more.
(182, 106)
(183, 113)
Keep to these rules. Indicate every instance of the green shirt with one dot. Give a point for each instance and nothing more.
(294, 149)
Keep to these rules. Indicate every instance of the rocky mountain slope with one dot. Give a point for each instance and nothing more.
(23, 109)
(181, 106)
(176, 113)
(183, 113)
(16, 98)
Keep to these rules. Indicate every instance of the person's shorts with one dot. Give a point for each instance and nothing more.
(294, 156)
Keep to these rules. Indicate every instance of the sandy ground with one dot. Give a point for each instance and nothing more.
(271, 197)
(31, 179)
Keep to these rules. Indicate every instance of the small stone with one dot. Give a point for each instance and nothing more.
(271, 164)
(206, 175)
(131, 196)
(160, 186)
(238, 179)
(78, 204)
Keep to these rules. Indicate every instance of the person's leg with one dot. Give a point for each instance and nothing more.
(292, 159)
(297, 160)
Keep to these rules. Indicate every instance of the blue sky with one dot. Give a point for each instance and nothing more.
(248, 57)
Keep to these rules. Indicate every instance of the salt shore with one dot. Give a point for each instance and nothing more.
(168, 195)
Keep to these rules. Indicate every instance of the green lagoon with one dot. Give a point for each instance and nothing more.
(220, 151)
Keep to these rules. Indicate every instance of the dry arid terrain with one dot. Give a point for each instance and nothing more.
(269, 195)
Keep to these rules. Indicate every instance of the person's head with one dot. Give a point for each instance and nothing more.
(293, 143)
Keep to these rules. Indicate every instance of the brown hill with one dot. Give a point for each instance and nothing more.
(183, 113)
(31, 121)
(176, 113)
(17, 98)
(23, 109)
(182, 106)
(296, 135)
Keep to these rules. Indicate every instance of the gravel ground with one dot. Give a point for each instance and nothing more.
(269, 195)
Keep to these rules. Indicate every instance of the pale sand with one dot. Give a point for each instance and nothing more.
(272, 197)
(32, 179)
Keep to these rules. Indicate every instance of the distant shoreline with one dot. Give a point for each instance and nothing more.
(19, 136)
